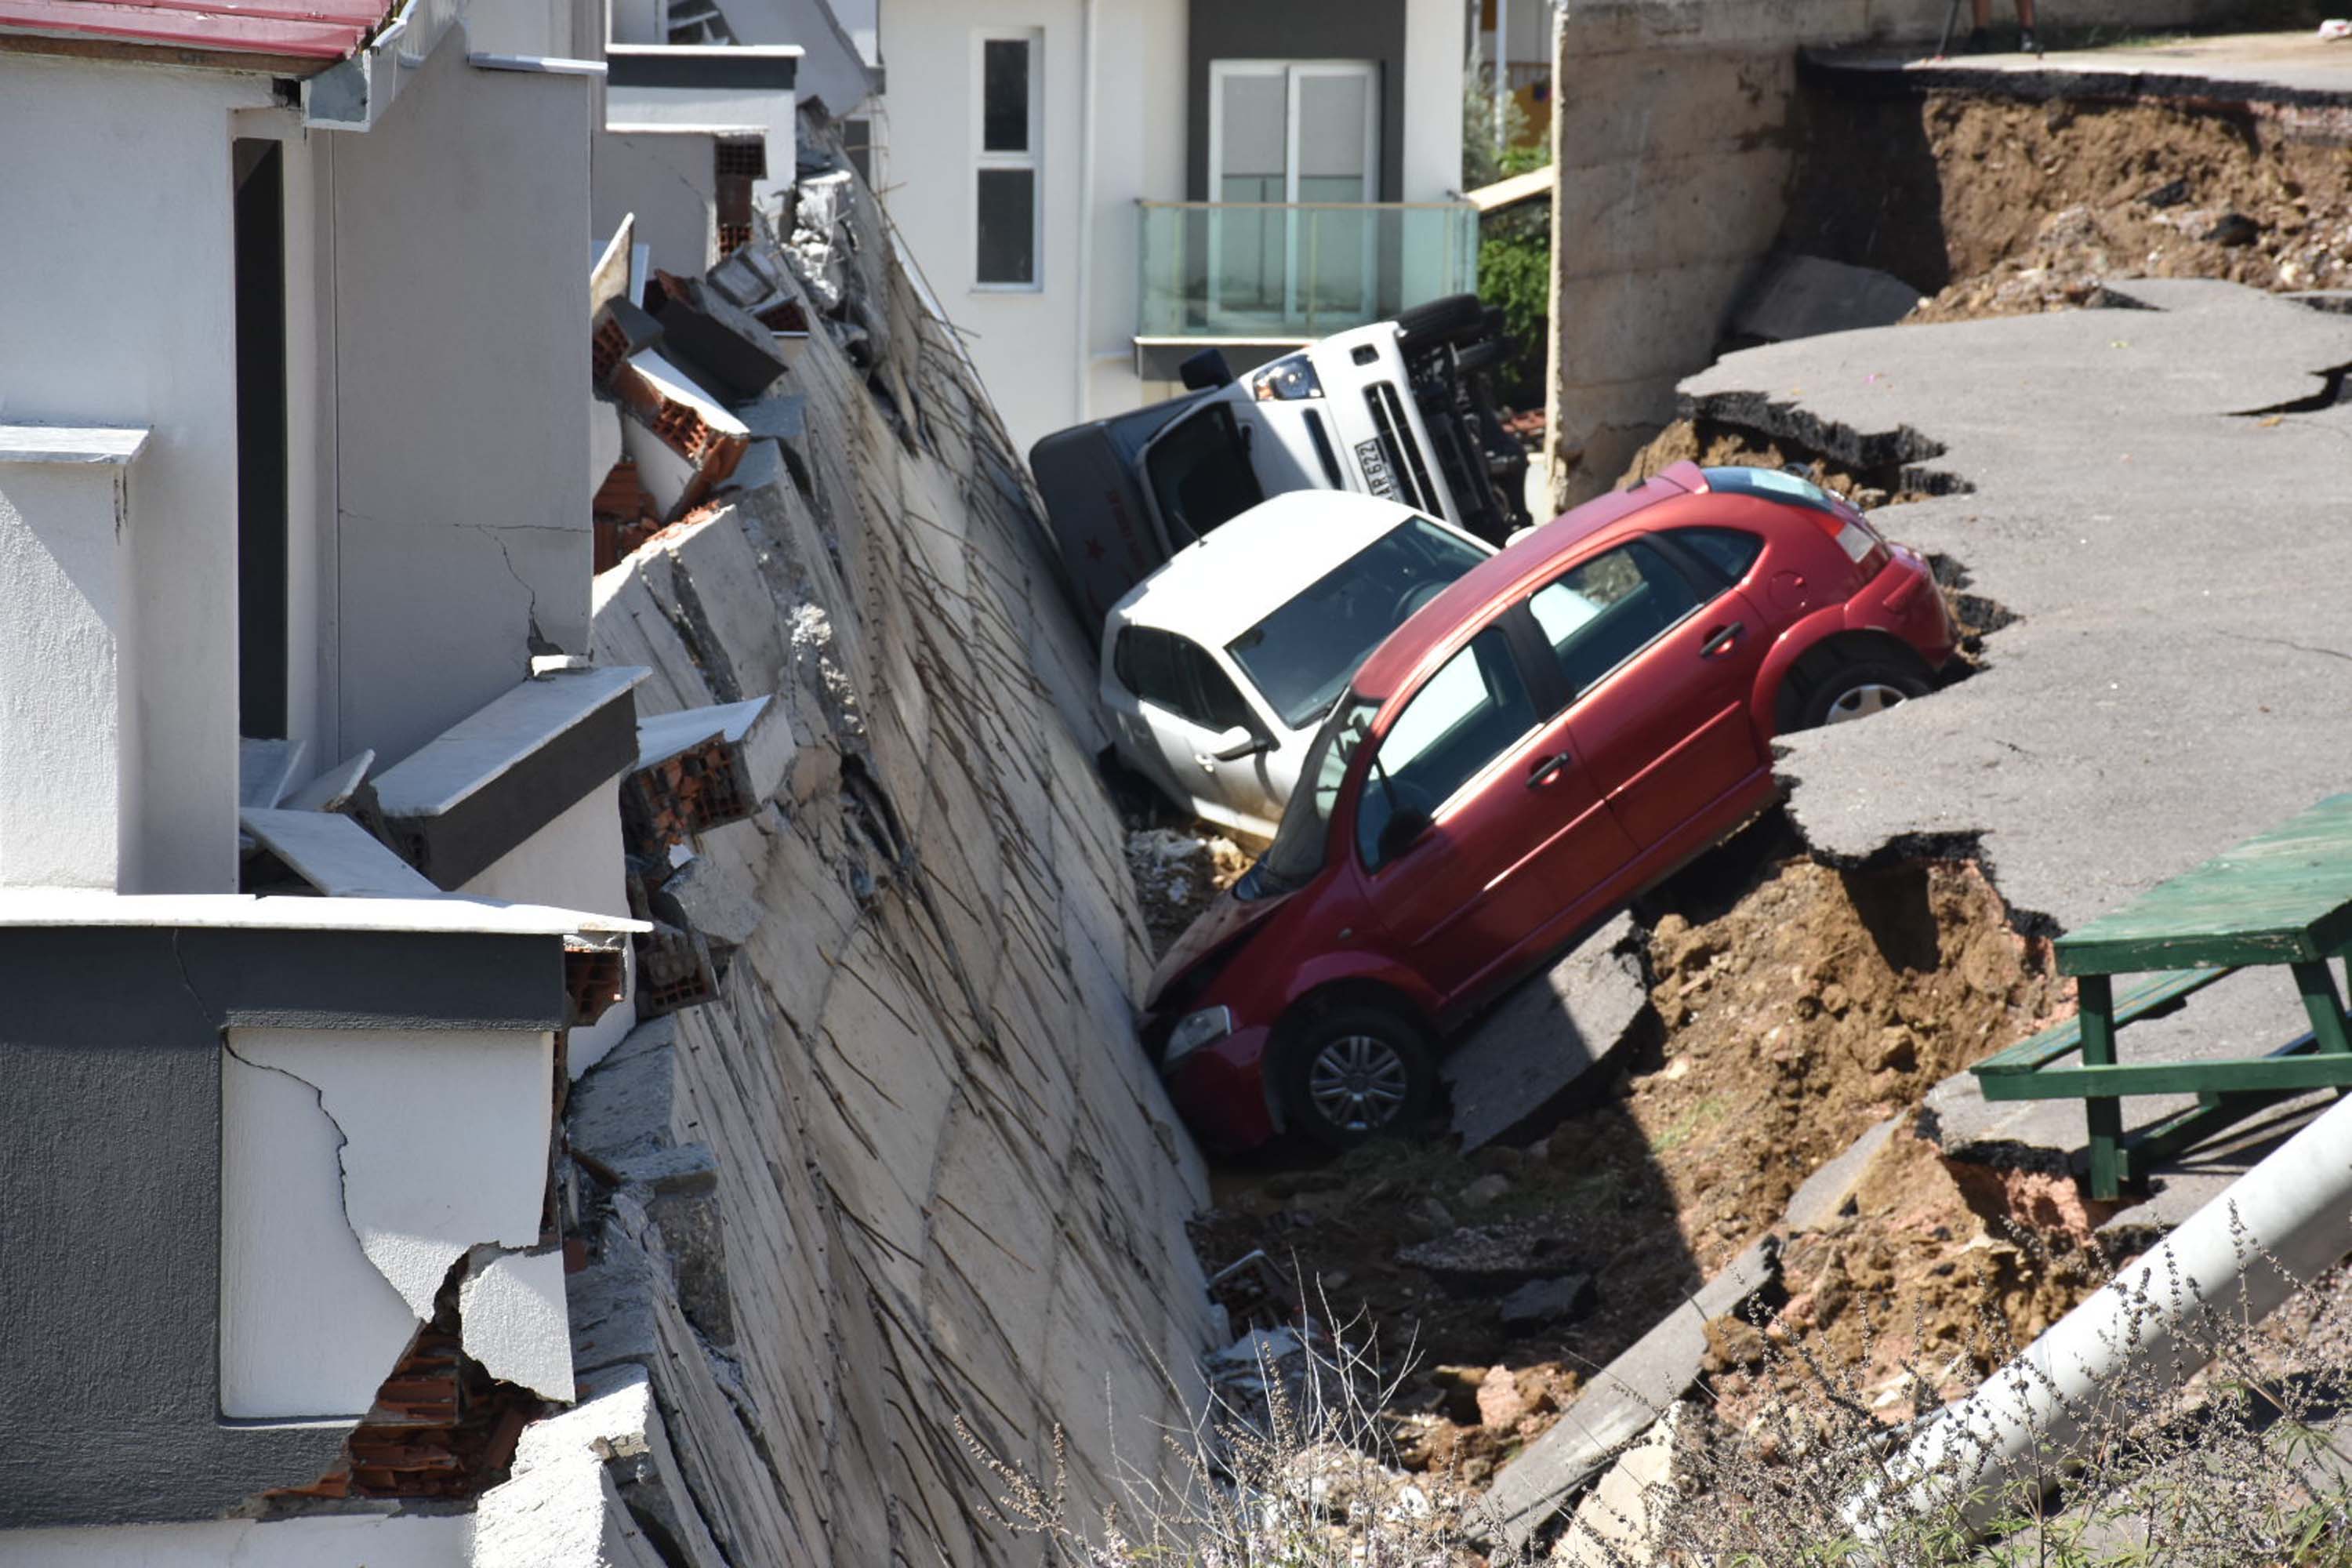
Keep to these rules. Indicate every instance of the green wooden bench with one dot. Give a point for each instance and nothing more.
(2285, 898)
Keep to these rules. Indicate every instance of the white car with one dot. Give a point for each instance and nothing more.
(1218, 668)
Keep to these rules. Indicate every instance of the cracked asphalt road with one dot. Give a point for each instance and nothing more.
(2182, 569)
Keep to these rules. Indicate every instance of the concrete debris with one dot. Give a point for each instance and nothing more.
(701, 768)
(716, 892)
(684, 442)
(1560, 1300)
(1252, 1292)
(820, 217)
(1513, 1067)
(608, 278)
(1479, 1258)
(334, 789)
(264, 771)
(1611, 1522)
(621, 331)
(579, 1483)
(1621, 1400)
(738, 369)
(1805, 296)
(334, 855)
(511, 1309)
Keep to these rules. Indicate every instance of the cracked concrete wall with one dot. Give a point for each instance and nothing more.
(910, 1164)
(460, 529)
(358, 1166)
(1671, 135)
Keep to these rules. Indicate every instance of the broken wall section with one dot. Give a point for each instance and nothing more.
(908, 1164)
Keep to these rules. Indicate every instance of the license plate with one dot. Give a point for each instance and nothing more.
(1375, 464)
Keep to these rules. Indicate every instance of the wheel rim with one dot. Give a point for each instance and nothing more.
(1862, 701)
(1357, 1083)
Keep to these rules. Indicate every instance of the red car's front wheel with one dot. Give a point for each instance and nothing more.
(1354, 1072)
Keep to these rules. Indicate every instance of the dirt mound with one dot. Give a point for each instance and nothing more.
(1821, 1003)
(1997, 208)
(1931, 1271)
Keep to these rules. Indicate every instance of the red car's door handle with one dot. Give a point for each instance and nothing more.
(1543, 769)
(1721, 639)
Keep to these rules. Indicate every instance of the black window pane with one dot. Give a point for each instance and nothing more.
(1008, 226)
(1214, 703)
(1004, 96)
(1730, 550)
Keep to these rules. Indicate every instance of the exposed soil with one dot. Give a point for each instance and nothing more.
(1797, 1005)
(1713, 444)
(1997, 208)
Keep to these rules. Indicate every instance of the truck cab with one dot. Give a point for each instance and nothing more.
(1398, 409)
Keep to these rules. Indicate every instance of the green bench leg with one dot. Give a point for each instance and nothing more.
(2095, 1009)
(2318, 984)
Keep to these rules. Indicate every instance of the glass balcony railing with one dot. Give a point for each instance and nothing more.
(1250, 269)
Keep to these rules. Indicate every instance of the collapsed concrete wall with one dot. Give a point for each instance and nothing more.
(1672, 136)
(910, 1164)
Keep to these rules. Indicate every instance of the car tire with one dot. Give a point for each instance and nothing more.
(1857, 688)
(1354, 1072)
(1440, 322)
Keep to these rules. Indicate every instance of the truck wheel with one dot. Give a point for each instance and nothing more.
(1351, 1073)
(1440, 322)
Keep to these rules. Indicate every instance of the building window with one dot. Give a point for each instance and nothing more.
(1009, 103)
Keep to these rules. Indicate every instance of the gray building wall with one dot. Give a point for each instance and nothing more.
(109, 1261)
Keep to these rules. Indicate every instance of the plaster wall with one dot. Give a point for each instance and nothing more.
(561, 28)
(64, 566)
(462, 523)
(134, 326)
(667, 178)
(1670, 133)
(769, 110)
(357, 1167)
(573, 863)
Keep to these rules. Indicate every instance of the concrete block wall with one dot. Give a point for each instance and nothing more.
(1670, 136)
(912, 1164)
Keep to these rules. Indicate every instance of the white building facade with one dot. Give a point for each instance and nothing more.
(1096, 189)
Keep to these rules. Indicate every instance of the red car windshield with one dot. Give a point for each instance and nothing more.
(1303, 836)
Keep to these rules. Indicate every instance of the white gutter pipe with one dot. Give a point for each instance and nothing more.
(1502, 67)
(2296, 1207)
(1085, 357)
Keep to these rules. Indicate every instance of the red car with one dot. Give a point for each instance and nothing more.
(1559, 729)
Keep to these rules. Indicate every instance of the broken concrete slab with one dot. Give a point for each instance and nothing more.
(1621, 1400)
(1560, 1300)
(1611, 1522)
(1546, 1035)
(1807, 296)
(335, 854)
(264, 771)
(718, 889)
(335, 788)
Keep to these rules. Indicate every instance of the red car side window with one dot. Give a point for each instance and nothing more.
(1471, 711)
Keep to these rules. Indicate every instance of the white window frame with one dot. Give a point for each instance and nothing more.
(1031, 159)
(1290, 72)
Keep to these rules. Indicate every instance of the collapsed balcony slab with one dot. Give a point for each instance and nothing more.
(491, 781)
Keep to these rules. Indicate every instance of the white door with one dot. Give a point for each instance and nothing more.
(1294, 151)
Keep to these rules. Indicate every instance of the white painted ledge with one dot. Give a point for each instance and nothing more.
(105, 444)
(31, 907)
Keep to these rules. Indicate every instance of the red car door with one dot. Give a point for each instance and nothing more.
(1660, 660)
(1470, 755)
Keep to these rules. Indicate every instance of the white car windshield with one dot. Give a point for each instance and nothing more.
(1302, 656)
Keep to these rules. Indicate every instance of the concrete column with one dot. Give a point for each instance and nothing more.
(64, 576)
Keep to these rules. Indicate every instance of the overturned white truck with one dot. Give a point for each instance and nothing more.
(1398, 409)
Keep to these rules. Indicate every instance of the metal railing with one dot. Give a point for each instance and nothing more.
(1297, 269)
